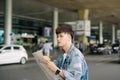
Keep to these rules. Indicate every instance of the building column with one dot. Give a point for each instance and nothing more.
(83, 14)
(113, 33)
(8, 21)
(55, 25)
(101, 32)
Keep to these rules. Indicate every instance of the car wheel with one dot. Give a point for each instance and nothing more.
(23, 60)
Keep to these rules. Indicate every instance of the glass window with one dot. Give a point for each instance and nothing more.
(7, 48)
(1, 47)
(16, 48)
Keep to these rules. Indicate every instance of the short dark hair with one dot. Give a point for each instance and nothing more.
(65, 28)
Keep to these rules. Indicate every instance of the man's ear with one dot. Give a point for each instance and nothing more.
(70, 37)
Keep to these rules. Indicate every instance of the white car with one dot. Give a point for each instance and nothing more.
(13, 54)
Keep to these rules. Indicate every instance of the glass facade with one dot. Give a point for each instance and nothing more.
(28, 26)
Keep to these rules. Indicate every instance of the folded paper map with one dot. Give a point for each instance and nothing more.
(47, 72)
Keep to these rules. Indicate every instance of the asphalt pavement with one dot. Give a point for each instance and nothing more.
(101, 67)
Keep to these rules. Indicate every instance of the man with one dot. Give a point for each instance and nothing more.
(81, 47)
(71, 65)
(47, 47)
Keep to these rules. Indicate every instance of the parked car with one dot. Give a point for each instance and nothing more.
(97, 49)
(13, 54)
(101, 49)
(115, 48)
(93, 49)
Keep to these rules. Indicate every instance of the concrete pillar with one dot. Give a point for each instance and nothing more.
(101, 32)
(8, 21)
(55, 25)
(83, 14)
(113, 33)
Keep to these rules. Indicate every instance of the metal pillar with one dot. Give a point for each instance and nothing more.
(55, 25)
(113, 33)
(101, 33)
(8, 21)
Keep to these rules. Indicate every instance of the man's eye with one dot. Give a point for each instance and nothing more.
(58, 36)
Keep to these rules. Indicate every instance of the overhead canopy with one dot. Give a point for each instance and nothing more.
(100, 10)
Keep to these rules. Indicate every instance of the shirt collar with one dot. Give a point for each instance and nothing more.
(70, 49)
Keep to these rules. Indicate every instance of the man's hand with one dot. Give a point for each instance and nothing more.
(46, 59)
(49, 63)
(52, 66)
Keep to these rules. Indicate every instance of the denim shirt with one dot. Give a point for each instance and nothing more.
(74, 66)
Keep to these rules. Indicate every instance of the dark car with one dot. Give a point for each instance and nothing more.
(115, 48)
(98, 49)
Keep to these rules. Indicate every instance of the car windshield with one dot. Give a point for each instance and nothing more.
(1, 47)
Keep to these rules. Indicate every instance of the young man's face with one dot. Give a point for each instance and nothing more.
(63, 39)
